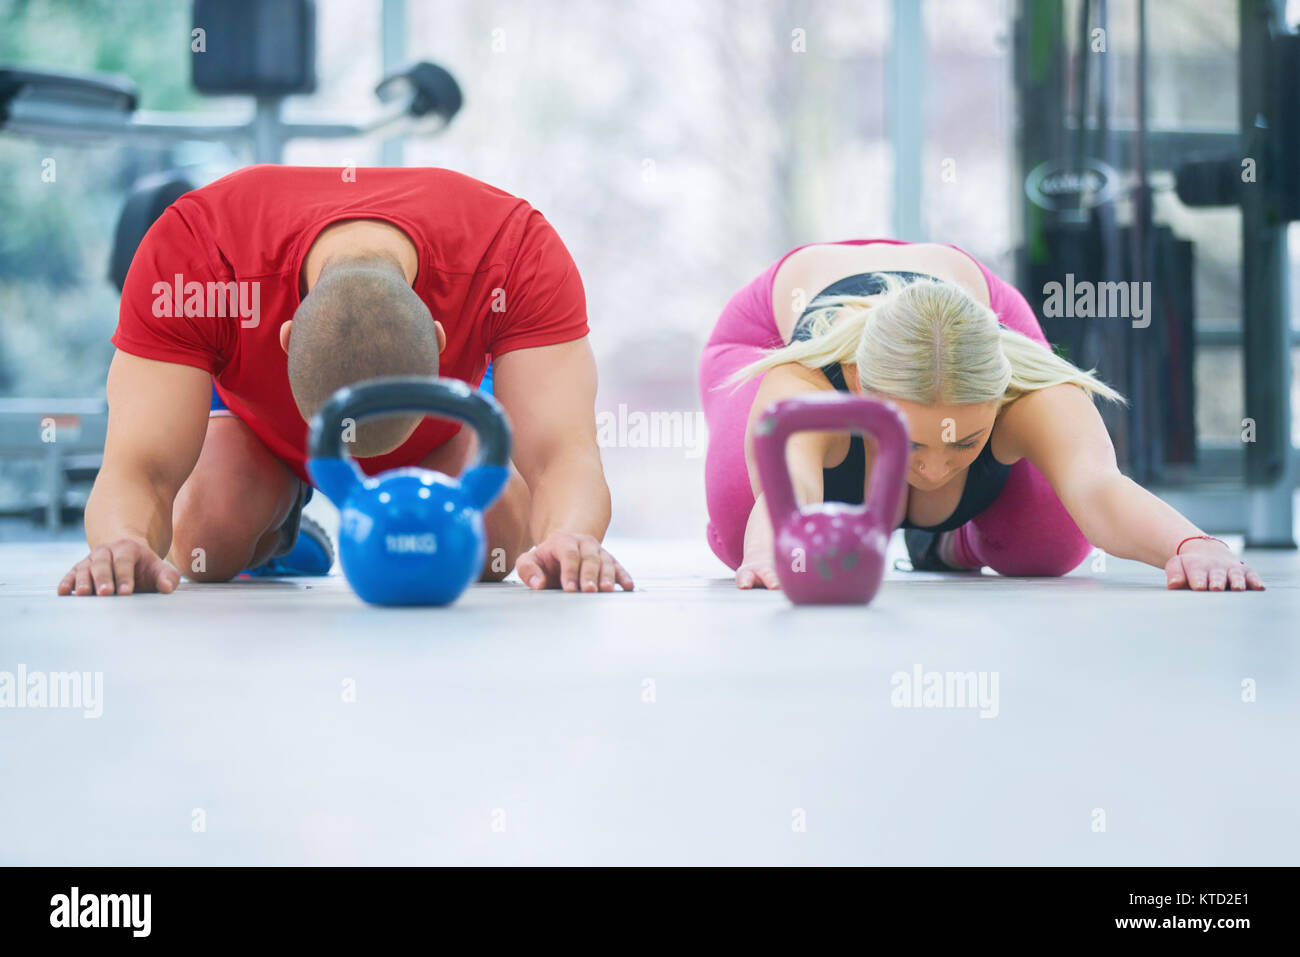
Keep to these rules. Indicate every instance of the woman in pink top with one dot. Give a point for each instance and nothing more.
(1011, 466)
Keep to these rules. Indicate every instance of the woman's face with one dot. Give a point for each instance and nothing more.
(945, 439)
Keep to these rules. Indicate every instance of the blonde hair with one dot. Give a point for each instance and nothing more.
(928, 342)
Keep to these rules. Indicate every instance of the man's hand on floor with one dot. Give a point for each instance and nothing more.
(120, 567)
(572, 562)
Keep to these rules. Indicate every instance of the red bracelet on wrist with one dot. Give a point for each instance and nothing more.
(1192, 538)
(1209, 538)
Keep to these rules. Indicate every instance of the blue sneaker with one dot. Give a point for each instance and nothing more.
(312, 554)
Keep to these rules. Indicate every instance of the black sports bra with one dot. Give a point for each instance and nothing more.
(845, 482)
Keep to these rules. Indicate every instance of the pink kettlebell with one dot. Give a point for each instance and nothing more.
(832, 553)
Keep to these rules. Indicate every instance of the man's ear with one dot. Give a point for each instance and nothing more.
(442, 336)
(284, 335)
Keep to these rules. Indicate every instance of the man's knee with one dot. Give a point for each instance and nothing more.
(215, 535)
(228, 509)
(500, 562)
(209, 546)
(507, 527)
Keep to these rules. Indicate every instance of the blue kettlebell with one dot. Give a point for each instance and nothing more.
(411, 536)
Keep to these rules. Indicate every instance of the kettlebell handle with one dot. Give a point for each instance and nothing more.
(449, 398)
(827, 412)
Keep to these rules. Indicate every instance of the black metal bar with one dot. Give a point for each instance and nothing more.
(1264, 298)
(1148, 452)
(1263, 263)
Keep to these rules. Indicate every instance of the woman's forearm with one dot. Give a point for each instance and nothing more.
(808, 490)
(758, 532)
(1125, 520)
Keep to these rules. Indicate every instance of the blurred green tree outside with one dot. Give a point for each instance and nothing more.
(57, 306)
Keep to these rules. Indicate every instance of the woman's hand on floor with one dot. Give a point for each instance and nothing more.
(1205, 565)
(758, 573)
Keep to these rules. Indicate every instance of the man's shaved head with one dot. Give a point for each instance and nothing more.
(361, 320)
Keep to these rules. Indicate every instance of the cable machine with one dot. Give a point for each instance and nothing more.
(1087, 215)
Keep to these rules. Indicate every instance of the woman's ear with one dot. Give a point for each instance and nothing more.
(442, 336)
(284, 335)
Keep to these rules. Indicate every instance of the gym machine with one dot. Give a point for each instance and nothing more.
(263, 49)
(419, 99)
(1078, 166)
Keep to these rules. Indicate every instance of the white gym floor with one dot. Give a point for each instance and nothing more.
(685, 723)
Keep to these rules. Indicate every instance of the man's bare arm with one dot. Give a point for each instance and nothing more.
(550, 395)
(157, 419)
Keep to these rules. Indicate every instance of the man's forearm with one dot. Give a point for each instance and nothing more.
(122, 507)
(569, 495)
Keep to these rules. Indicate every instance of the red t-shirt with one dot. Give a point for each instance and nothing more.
(480, 249)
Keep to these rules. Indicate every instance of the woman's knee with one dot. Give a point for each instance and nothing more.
(728, 496)
(1041, 559)
(1027, 532)
(728, 548)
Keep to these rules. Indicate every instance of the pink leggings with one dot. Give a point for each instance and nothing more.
(1026, 531)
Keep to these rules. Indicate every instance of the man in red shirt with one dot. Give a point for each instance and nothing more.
(273, 287)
